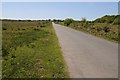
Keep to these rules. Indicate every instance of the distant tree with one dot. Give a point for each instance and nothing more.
(54, 20)
(28, 20)
(84, 22)
(49, 19)
(19, 20)
(68, 21)
(83, 19)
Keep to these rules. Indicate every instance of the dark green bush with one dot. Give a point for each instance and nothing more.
(4, 28)
(68, 21)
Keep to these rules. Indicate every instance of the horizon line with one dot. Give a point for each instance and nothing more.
(57, 18)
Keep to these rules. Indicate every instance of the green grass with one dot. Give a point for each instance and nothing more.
(31, 52)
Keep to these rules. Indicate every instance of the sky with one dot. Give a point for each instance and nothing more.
(58, 10)
(60, 0)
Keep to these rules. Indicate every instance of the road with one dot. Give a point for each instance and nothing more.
(87, 56)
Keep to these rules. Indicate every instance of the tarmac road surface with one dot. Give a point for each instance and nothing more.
(87, 56)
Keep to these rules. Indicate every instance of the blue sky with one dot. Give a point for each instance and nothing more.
(58, 10)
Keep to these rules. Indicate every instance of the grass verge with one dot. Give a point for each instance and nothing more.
(32, 52)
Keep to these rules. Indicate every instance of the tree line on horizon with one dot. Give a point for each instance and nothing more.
(114, 19)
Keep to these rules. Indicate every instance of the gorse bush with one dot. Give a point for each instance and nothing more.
(117, 20)
(106, 19)
(68, 21)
